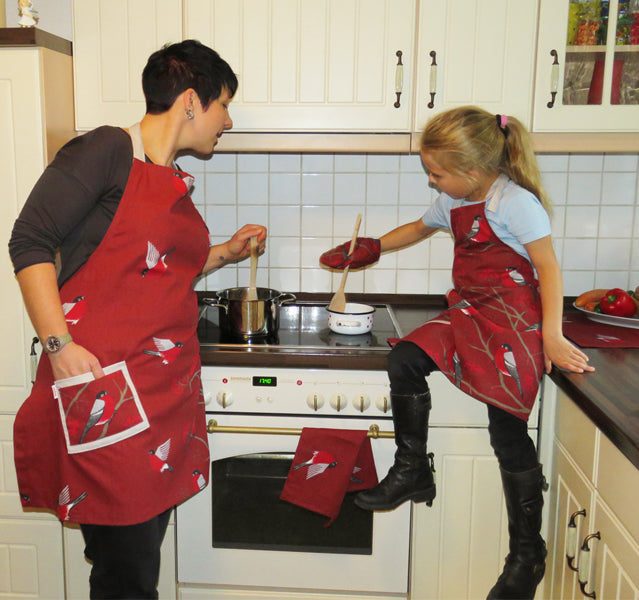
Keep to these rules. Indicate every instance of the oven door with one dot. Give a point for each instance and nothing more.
(360, 551)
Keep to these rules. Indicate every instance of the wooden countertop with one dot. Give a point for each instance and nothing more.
(609, 396)
(32, 36)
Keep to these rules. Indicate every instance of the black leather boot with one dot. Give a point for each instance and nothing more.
(526, 561)
(411, 476)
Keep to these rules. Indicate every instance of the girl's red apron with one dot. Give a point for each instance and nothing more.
(124, 448)
(488, 342)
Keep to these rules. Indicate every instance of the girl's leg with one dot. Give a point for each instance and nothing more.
(411, 476)
(523, 482)
(126, 559)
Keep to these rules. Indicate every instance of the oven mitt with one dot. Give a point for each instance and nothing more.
(367, 251)
(327, 464)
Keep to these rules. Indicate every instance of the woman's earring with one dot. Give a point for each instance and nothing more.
(189, 114)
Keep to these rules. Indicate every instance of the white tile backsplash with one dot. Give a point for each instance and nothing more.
(310, 202)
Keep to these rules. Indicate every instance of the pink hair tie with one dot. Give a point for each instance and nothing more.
(502, 121)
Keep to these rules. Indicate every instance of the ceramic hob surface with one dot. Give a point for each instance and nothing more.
(303, 325)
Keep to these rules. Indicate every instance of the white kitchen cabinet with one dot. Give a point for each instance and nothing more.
(313, 65)
(479, 52)
(587, 74)
(458, 544)
(593, 487)
(31, 560)
(36, 117)
(112, 40)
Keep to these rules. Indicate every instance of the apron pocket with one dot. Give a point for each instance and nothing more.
(99, 412)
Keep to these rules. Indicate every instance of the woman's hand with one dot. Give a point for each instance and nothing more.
(237, 248)
(74, 360)
(559, 351)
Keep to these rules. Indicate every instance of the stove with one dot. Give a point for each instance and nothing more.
(303, 325)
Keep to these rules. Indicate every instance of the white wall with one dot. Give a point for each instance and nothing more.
(55, 16)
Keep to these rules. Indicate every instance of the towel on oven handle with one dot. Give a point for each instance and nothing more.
(327, 464)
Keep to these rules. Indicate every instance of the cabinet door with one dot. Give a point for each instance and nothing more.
(112, 40)
(478, 52)
(459, 544)
(614, 568)
(587, 67)
(570, 493)
(312, 65)
(22, 159)
(31, 560)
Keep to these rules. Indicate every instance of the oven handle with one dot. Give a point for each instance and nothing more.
(213, 427)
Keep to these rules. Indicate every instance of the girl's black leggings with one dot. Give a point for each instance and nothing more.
(408, 367)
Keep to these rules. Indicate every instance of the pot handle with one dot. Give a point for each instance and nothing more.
(212, 302)
(291, 298)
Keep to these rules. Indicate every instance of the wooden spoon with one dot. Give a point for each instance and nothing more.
(338, 302)
(251, 292)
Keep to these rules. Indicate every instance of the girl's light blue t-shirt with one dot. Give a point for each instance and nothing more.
(518, 219)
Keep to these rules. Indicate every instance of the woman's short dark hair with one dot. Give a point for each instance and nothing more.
(177, 67)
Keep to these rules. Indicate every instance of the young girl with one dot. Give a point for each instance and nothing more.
(502, 327)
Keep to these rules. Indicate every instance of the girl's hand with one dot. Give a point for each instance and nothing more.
(563, 354)
(74, 360)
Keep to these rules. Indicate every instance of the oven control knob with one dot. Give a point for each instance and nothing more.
(315, 401)
(383, 403)
(224, 399)
(208, 398)
(361, 402)
(339, 402)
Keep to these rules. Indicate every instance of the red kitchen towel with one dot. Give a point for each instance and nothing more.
(327, 464)
(593, 334)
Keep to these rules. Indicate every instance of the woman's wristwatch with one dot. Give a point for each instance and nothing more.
(54, 343)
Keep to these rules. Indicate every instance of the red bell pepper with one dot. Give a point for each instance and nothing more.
(617, 303)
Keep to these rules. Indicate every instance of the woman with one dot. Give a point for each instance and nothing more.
(121, 440)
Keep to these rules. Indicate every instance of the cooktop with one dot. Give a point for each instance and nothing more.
(303, 325)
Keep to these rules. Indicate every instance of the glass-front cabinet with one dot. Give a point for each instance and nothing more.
(587, 66)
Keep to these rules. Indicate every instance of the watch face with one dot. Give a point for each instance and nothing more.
(53, 344)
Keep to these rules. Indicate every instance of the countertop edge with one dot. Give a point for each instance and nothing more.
(610, 426)
(32, 36)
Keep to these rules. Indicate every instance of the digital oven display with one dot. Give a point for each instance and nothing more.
(264, 381)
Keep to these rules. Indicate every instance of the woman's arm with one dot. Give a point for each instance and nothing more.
(405, 235)
(557, 349)
(39, 288)
(236, 249)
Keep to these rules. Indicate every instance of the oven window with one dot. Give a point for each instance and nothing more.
(248, 512)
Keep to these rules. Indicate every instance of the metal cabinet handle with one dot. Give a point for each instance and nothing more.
(399, 77)
(571, 538)
(584, 565)
(554, 78)
(432, 89)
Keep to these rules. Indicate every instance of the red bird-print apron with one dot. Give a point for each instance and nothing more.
(488, 342)
(121, 449)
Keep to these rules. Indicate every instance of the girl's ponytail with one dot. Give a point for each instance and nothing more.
(519, 161)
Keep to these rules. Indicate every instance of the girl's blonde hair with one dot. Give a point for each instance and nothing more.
(469, 138)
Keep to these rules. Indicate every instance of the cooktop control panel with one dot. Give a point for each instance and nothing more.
(293, 392)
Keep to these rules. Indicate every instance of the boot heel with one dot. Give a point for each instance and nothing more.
(427, 496)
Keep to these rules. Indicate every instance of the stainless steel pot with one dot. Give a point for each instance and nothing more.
(244, 318)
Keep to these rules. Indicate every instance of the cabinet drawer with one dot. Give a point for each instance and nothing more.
(577, 433)
(618, 485)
